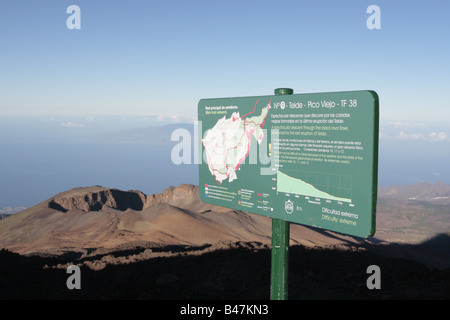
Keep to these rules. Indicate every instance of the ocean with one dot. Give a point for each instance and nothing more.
(39, 159)
(42, 156)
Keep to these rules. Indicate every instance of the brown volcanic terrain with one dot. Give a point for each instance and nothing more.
(98, 217)
(173, 246)
(413, 213)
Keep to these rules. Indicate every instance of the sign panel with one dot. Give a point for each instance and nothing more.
(310, 159)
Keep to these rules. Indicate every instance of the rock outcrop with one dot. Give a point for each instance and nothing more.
(96, 198)
(101, 217)
(81, 219)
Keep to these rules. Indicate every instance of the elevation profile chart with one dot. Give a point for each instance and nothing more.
(316, 185)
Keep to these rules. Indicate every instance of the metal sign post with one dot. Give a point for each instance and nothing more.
(280, 248)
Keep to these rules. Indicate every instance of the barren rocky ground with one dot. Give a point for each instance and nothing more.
(171, 246)
(225, 271)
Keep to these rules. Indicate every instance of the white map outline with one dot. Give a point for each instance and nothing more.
(227, 143)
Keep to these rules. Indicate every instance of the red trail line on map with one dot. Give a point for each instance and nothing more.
(249, 134)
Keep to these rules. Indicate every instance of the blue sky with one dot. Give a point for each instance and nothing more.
(161, 57)
(139, 63)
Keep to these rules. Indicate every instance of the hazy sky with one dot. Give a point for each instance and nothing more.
(162, 57)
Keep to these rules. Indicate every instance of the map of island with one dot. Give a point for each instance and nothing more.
(227, 143)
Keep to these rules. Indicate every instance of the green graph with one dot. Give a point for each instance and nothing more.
(288, 184)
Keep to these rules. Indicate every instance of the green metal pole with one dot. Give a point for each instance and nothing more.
(280, 247)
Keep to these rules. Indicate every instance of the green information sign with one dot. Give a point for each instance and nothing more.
(310, 159)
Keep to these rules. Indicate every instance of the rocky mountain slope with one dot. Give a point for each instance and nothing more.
(171, 245)
(95, 217)
(413, 213)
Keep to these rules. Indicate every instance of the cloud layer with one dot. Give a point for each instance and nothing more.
(410, 131)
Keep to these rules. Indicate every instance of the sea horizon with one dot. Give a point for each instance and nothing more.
(42, 156)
